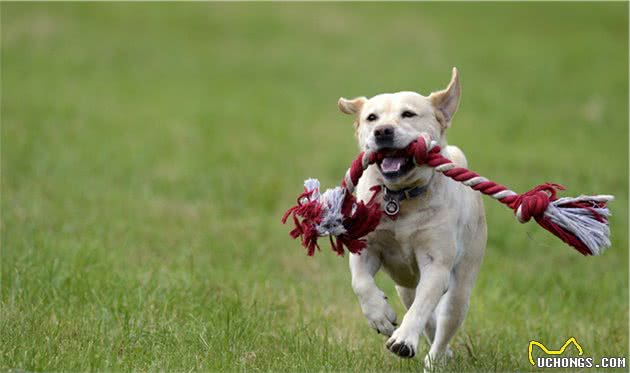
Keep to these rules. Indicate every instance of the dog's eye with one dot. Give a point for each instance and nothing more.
(372, 117)
(408, 114)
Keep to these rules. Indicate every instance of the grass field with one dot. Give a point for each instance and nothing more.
(149, 150)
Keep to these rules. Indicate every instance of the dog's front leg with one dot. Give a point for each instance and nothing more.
(378, 312)
(434, 278)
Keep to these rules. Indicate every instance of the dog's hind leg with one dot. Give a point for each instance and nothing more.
(429, 329)
(406, 295)
(449, 316)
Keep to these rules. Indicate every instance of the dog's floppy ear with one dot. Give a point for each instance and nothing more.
(351, 106)
(446, 101)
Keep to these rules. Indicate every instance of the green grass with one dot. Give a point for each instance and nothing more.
(149, 150)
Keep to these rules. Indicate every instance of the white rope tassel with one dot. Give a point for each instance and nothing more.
(332, 218)
(312, 185)
(582, 222)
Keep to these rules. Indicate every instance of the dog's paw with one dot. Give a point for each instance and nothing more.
(403, 344)
(380, 315)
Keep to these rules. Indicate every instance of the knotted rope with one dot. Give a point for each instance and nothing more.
(581, 222)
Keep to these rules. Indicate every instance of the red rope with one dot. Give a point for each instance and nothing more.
(531, 204)
(362, 218)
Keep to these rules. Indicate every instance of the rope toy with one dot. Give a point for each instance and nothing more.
(581, 222)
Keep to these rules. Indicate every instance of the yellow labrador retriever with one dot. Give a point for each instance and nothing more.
(434, 247)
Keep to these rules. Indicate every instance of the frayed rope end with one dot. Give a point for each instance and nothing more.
(335, 213)
(586, 218)
(581, 222)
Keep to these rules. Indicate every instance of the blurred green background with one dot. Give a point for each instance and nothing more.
(149, 150)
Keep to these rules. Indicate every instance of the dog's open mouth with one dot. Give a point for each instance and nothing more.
(394, 165)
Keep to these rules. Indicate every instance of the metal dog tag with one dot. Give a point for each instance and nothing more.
(392, 207)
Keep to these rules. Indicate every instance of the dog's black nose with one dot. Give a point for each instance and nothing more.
(384, 134)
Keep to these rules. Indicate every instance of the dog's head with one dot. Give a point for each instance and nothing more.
(389, 122)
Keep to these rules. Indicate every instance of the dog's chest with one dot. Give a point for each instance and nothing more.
(397, 243)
